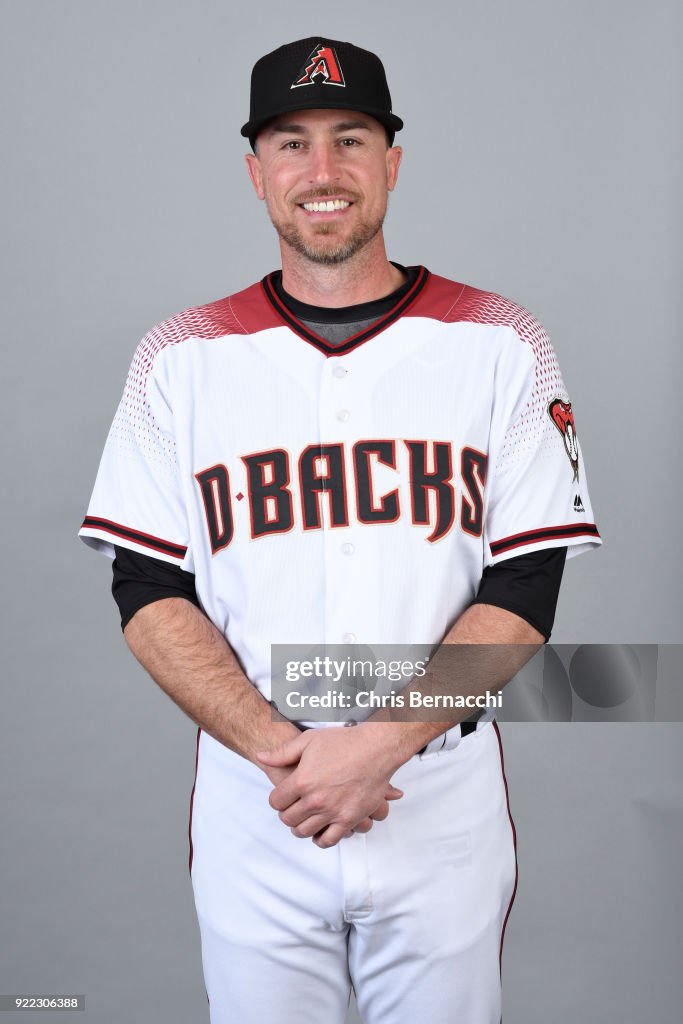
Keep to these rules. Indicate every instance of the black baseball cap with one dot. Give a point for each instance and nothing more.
(319, 72)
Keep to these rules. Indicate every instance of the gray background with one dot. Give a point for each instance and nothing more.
(542, 154)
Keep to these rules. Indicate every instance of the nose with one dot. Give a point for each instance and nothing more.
(323, 166)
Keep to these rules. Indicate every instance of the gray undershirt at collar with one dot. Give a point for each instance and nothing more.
(337, 334)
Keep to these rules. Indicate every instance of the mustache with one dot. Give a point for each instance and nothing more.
(327, 192)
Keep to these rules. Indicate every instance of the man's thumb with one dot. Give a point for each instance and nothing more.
(286, 753)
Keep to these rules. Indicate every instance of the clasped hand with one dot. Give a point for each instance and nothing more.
(329, 783)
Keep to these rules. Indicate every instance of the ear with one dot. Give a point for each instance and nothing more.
(254, 168)
(394, 156)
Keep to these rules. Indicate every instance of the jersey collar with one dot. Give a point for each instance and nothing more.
(404, 301)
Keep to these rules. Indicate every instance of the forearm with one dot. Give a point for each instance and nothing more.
(193, 663)
(515, 642)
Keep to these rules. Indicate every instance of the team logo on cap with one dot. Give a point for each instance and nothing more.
(321, 68)
(562, 416)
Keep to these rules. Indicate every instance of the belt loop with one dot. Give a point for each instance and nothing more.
(434, 747)
(448, 740)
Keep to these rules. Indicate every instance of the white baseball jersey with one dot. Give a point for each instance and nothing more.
(352, 493)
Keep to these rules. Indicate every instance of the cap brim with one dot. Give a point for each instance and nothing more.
(390, 121)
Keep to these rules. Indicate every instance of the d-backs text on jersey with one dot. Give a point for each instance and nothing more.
(281, 486)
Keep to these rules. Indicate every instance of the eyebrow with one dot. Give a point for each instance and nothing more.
(300, 129)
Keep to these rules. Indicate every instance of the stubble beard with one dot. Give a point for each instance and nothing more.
(327, 254)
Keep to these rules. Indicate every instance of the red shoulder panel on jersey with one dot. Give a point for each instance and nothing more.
(212, 320)
(145, 540)
(453, 302)
(517, 540)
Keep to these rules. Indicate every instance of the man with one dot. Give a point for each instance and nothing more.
(350, 451)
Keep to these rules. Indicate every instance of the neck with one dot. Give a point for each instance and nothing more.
(363, 278)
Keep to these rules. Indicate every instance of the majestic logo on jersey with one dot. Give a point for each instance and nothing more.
(322, 68)
(283, 491)
(562, 416)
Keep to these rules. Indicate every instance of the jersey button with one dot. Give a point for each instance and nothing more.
(348, 549)
(343, 415)
(340, 371)
(349, 638)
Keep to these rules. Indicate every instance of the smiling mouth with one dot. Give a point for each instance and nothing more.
(326, 205)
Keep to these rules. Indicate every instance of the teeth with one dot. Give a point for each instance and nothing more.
(328, 206)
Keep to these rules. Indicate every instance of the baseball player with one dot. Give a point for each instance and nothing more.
(349, 451)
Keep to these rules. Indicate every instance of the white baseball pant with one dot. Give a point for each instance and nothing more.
(411, 914)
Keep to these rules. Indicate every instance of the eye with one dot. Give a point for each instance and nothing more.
(349, 143)
(293, 145)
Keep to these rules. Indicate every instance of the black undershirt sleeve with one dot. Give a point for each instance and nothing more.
(140, 580)
(527, 585)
